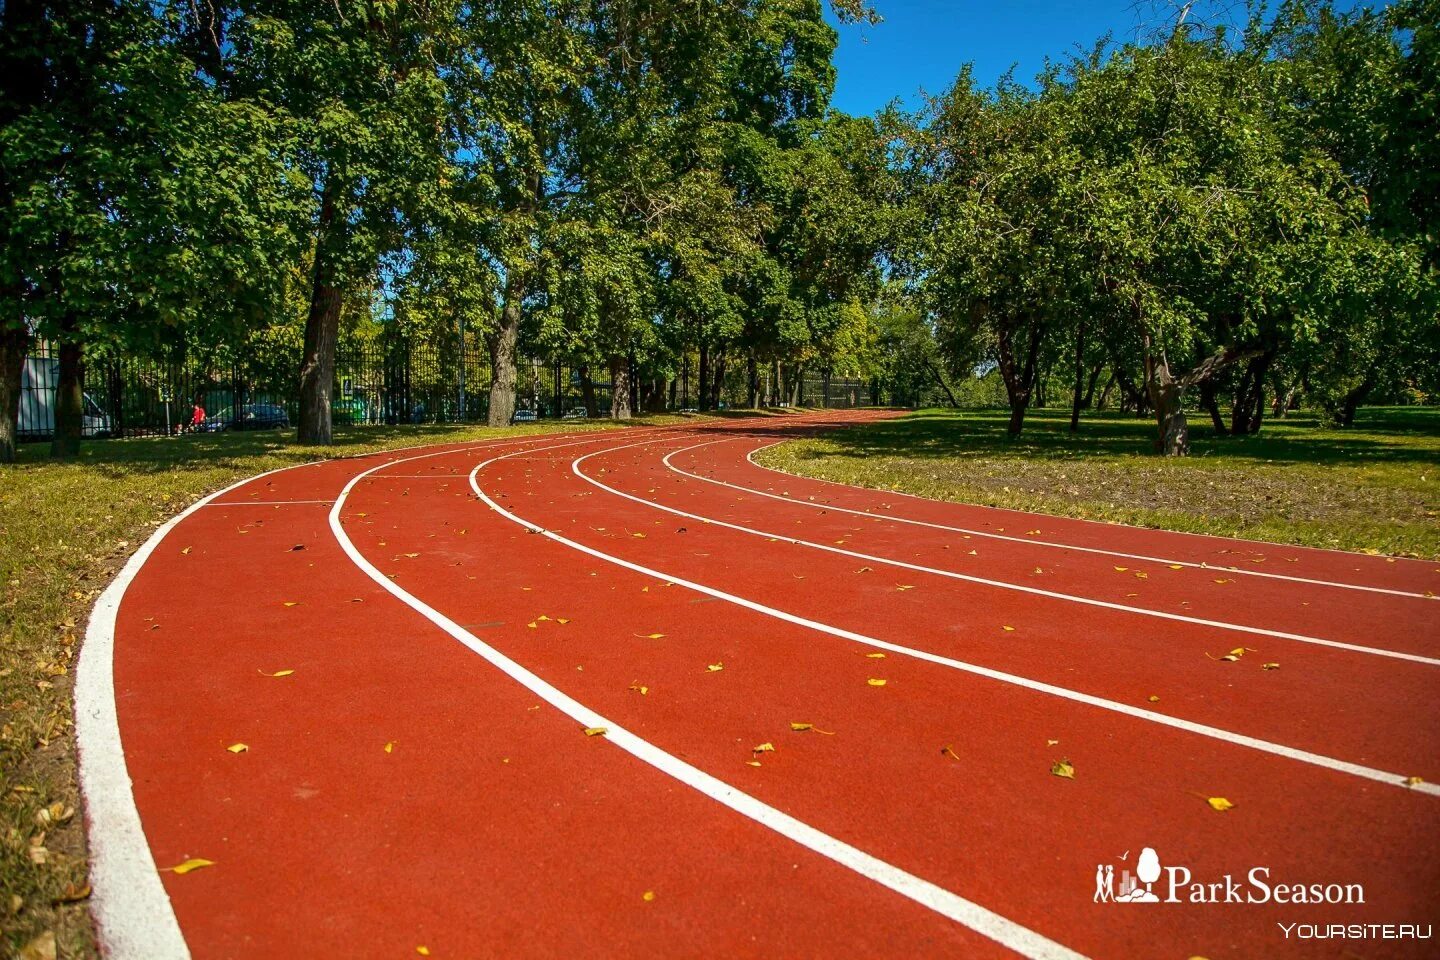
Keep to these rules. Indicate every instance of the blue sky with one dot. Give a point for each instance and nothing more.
(923, 43)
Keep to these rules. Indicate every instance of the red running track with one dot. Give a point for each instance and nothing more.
(457, 617)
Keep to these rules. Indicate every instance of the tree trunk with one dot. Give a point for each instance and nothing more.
(587, 392)
(1249, 409)
(797, 384)
(69, 395)
(752, 381)
(12, 360)
(619, 387)
(1164, 393)
(704, 377)
(1208, 403)
(1352, 402)
(322, 329)
(1019, 380)
(1089, 398)
(1079, 378)
(717, 382)
(940, 379)
(502, 353)
(1103, 403)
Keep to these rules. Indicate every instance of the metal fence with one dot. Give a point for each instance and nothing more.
(390, 380)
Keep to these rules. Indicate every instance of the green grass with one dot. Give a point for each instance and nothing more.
(65, 529)
(1375, 486)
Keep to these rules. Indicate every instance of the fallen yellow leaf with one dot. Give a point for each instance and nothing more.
(1122, 569)
(423, 950)
(766, 747)
(1269, 666)
(277, 673)
(292, 603)
(1413, 781)
(194, 864)
(390, 747)
(904, 586)
(1176, 566)
(949, 751)
(715, 667)
(1154, 699)
(801, 726)
(648, 896)
(43, 947)
(648, 636)
(237, 748)
(1063, 768)
(1220, 804)
(186, 551)
(638, 688)
(595, 731)
(1008, 629)
(875, 682)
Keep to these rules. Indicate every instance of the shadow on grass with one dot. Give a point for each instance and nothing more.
(1386, 434)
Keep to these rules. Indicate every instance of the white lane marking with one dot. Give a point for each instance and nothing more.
(1340, 584)
(965, 912)
(1204, 730)
(750, 458)
(264, 503)
(134, 918)
(986, 581)
(133, 914)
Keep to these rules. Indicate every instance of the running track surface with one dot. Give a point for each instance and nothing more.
(455, 617)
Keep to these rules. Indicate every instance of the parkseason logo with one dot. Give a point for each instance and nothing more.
(1153, 882)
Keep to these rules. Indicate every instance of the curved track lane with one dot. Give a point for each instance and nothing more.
(398, 790)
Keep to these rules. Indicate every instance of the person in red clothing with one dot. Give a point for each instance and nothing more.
(197, 416)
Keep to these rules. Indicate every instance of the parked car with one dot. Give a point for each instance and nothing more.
(524, 416)
(39, 379)
(249, 416)
(575, 413)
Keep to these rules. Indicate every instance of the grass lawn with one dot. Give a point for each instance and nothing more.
(1375, 486)
(65, 529)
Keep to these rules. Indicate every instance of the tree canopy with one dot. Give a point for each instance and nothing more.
(1229, 221)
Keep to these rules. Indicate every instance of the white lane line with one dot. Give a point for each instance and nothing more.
(749, 457)
(134, 918)
(1341, 584)
(1021, 939)
(1204, 730)
(986, 581)
(263, 503)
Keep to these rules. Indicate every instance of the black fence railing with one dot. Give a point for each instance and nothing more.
(388, 380)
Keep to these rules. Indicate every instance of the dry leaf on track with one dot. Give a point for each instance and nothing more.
(1063, 768)
(195, 863)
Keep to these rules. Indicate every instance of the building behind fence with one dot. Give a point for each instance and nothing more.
(392, 380)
